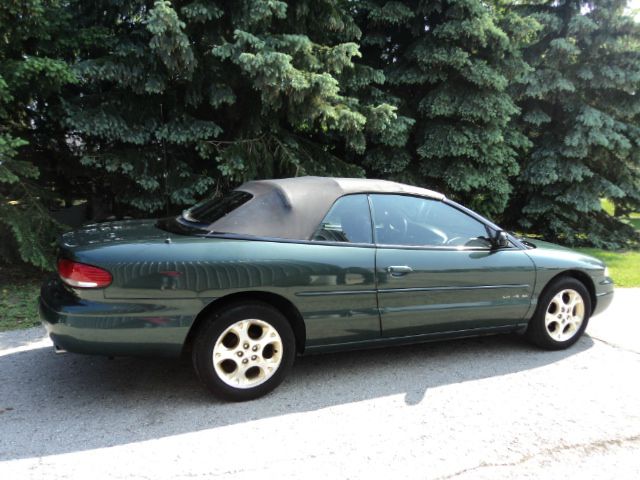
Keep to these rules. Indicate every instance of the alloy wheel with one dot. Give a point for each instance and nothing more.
(564, 315)
(247, 353)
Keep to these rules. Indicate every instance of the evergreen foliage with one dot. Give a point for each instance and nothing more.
(580, 109)
(33, 73)
(182, 97)
(449, 65)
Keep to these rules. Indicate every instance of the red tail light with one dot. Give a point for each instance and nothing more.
(82, 275)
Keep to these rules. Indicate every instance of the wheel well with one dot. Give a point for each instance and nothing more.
(284, 306)
(585, 280)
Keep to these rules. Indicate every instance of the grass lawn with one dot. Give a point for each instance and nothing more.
(19, 291)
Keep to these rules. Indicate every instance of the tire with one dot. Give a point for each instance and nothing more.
(244, 351)
(562, 314)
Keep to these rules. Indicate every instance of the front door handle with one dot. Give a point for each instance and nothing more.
(398, 270)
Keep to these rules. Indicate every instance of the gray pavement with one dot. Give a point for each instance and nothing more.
(484, 408)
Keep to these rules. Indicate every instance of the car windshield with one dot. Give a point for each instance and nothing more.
(208, 211)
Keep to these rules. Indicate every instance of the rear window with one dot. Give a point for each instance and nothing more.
(211, 210)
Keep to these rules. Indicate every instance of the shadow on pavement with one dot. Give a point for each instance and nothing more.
(52, 404)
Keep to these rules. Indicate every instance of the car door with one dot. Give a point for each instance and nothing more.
(339, 301)
(437, 272)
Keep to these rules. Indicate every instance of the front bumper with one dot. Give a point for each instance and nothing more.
(604, 295)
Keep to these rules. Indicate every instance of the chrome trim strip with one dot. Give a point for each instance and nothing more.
(430, 289)
(334, 292)
(409, 289)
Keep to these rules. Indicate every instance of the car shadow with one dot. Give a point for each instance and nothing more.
(52, 404)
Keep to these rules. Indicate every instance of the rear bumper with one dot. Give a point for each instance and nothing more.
(134, 327)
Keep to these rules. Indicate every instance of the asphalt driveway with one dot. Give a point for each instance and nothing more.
(491, 407)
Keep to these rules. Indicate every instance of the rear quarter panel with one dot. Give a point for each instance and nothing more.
(162, 285)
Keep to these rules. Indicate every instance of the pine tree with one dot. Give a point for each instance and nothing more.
(448, 64)
(180, 98)
(33, 74)
(580, 109)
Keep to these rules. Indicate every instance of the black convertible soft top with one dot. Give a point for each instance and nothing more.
(292, 208)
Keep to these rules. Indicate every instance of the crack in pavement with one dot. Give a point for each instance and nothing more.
(586, 447)
(613, 345)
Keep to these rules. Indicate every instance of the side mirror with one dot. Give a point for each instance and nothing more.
(500, 240)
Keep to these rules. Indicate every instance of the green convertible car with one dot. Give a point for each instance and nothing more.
(304, 265)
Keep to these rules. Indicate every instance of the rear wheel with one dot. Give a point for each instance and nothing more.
(562, 314)
(244, 352)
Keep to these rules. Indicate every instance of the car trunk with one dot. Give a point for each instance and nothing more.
(112, 246)
(144, 260)
(111, 233)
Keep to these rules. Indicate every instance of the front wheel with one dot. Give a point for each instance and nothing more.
(244, 352)
(562, 315)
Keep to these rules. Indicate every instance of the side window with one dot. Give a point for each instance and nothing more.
(406, 220)
(348, 220)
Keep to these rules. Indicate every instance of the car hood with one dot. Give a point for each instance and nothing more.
(552, 255)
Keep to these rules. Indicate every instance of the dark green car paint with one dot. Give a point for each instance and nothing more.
(344, 293)
(450, 289)
(552, 260)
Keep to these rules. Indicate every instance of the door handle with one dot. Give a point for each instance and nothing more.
(398, 270)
